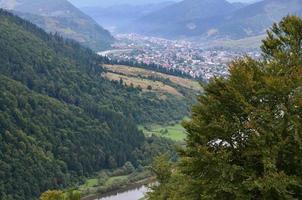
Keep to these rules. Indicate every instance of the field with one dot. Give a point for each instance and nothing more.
(174, 132)
(94, 182)
(145, 84)
(133, 72)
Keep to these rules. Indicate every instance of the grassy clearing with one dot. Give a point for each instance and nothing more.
(91, 182)
(174, 132)
(133, 71)
(156, 86)
(116, 179)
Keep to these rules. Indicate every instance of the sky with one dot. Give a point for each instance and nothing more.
(105, 3)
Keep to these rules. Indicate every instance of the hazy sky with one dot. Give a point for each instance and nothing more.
(81, 3)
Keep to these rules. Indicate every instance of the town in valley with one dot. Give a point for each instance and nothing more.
(189, 57)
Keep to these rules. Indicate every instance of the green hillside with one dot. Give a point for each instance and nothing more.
(61, 120)
(62, 17)
(252, 20)
(216, 19)
(168, 21)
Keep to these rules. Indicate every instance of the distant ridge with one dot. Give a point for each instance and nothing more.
(170, 20)
(248, 21)
(216, 19)
(62, 17)
(118, 17)
(61, 120)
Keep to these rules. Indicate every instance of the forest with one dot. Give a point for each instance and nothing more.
(153, 67)
(60, 120)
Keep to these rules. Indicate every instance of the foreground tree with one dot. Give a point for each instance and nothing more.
(59, 195)
(245, 137)
(52, 195)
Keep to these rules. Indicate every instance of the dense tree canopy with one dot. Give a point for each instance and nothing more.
(60, 119)
(59, 195)
(245, 137)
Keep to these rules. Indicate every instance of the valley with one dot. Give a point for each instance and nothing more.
(67, 120)
(150, 100)
(196, 59)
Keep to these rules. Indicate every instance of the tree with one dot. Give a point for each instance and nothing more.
(59, 195)
(245, 137)
(128, 168)
(162, 168)
(73, 195)
(52, 195)
(60, 119)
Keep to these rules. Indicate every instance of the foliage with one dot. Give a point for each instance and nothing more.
(60, 120)
(244, 140)
(59, 195)
(162, 168)
(108, 180)
(60, 16)
(152, 66)
(172, 184)
(73, 195)
(52, 195)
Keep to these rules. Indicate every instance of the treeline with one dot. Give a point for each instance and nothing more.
(64, 70)
(60, 120)
(245, 137)
(152, 66)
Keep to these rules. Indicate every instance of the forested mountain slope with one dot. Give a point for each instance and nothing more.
(62, 17)
(118, 17)
(48, 144)
(178, 16)
(216, 19)
(251, 20)
(60, 118)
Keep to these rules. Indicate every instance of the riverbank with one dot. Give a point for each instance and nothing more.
(138, 187)
(121, 179)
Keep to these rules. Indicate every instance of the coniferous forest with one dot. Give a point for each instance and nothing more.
(60, 120)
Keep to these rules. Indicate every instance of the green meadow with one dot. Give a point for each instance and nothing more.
(174, 132)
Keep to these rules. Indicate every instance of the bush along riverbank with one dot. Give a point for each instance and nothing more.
(107, 181)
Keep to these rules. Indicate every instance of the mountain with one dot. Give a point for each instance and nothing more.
(61, 119)
(62, 17)
(239, 5)
(118, 17)
(251, 20)
(166, 21)
(216, 19)
(106, 3)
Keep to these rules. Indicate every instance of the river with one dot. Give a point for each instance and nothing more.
(135, 193)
